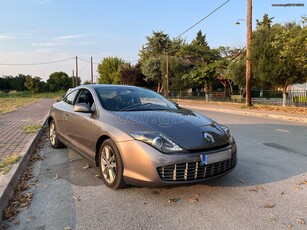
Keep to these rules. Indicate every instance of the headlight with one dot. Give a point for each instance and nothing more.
(157, 140)
(227, 131)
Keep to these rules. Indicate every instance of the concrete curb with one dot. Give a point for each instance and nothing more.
(254, 114)
(12, 177)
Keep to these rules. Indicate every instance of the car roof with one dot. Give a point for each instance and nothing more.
(95, 86)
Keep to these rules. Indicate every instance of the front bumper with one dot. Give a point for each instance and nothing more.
(146, 166)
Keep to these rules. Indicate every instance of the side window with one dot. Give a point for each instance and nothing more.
(85, 96)
(69, 99)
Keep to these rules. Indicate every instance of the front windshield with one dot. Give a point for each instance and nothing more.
(120, 98)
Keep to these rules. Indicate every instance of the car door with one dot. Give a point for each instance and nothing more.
(79, 126)
(60, 115)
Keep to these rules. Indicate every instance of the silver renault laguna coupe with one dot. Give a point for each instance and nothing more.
(136, 136)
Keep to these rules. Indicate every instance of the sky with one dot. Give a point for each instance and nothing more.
(43, 31)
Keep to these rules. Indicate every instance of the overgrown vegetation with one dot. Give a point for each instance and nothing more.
(11, 104)
(33, 128)
(7, 162)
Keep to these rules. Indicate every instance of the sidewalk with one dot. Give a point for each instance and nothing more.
(13, 140)
(193, 105)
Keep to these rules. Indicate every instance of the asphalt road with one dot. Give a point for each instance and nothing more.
(267, 190)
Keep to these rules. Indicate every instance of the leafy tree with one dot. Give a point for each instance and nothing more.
(87, 82)
(34, 84)
(177, 69)
(290, 46)
(132, 75)
(152, 70)
(59, 81)
(263, 55)
(266, 22)
(204, 61)
(152, 57)
(108, 70)
(236, 72)
(8, 83)
(278, 55)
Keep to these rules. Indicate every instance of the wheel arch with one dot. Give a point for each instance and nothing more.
(49, 120)
(99, 142)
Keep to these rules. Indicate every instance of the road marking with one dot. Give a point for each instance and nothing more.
(283, 130)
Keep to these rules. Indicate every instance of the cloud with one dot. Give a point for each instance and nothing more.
(48, 44)
(6, 37)
(89, 43)
(66, 37)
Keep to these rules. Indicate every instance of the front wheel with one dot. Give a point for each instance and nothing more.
(53, 136)
(111, 165)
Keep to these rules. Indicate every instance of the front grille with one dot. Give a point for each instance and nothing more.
(194, 171)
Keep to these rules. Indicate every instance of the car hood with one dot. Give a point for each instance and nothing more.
(183, 126)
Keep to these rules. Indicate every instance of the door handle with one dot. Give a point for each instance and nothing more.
(65, 116)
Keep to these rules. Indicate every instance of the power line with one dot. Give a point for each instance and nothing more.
(96, 63)
(39, 63)
(202, 19)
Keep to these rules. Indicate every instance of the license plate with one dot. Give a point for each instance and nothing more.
(215, 157)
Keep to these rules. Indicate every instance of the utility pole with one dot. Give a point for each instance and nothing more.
(73, 79)
(92, 78)
(248, 55)
(76, 71)
(166, 76)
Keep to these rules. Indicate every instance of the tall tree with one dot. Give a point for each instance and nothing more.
(108, 70)
(266, 21)
(132, 75)
(236, 73)
(34, 84)
(59, 81)
(279, 55)
(152, 56)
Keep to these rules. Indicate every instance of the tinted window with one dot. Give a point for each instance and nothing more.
(132, 99)
(69, 99)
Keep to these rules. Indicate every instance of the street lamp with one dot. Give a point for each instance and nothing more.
(238, 22)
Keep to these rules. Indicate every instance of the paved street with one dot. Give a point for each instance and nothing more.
(12, 137)
(267, 190)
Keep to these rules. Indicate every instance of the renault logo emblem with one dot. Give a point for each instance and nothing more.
(208, 137)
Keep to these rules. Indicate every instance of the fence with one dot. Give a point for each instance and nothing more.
(294, 98)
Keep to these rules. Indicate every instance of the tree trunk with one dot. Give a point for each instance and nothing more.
(207, 96)
(284, 96)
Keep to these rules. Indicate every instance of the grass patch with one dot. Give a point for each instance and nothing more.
(11, 104)
(31, 128)
(28, 94)
(7, 162)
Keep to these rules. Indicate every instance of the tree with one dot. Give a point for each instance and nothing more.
(204, 63)
(290, 46)
(108, 70)
(34, 84)
(59, 81)
(152, 55)
(132, 75)
(151, 68)
(236, 73)
(266, 22)
(279, 56)
(87, 82)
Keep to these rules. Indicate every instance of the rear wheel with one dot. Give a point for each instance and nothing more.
(53, 136)
(111, 165)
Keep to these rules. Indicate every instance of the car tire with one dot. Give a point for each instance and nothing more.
(111, 165)
(53, 136)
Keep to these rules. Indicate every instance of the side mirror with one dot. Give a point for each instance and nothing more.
(176, 104)
(82, 108)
